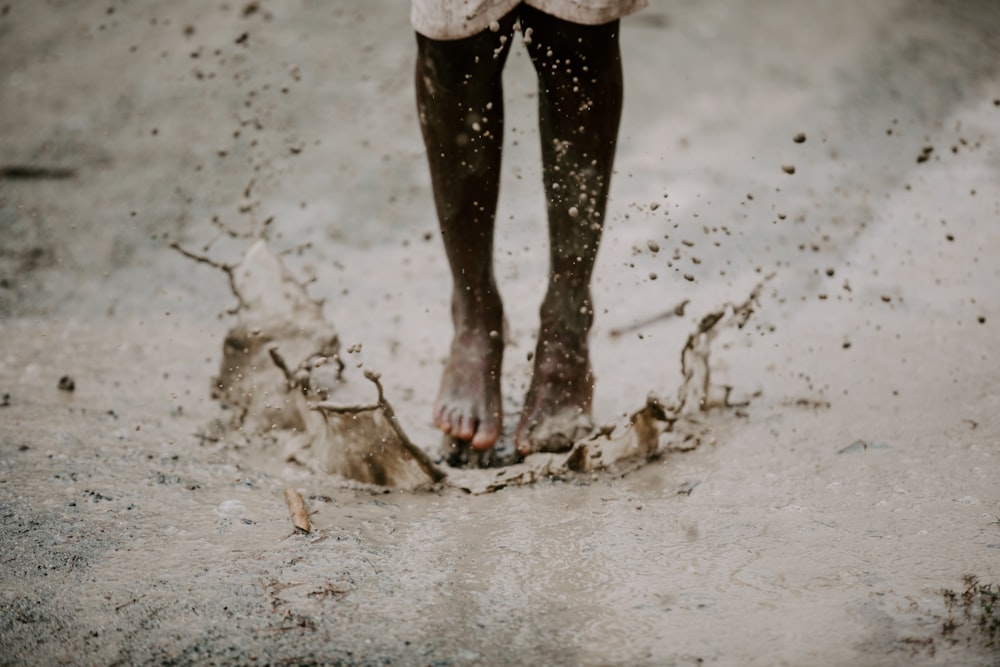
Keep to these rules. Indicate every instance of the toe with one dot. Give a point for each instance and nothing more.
(441, 420)
(462, 427)
(486, 435)
(521, 440)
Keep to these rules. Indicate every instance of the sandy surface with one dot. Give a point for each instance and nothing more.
(818, 525)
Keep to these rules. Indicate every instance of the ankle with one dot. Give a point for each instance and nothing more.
(561, 353)
(567, 315)
(477, 310)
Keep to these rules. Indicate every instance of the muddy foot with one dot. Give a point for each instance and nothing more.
(468, 406)
(460, 454)
(557, 407)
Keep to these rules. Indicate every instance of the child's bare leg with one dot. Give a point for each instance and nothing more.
(460, 105)
(580, 100)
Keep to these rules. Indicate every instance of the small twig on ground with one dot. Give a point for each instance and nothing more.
(300, 518)
(129, 602)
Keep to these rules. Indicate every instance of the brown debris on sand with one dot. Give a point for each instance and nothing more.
(297, 508)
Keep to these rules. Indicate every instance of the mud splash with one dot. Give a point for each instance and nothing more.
(655, 429)
(285, 386)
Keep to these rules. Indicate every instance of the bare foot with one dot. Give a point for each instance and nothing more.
(468, 405)
(557, 407)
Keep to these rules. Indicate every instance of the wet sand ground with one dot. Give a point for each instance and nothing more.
(818, 525)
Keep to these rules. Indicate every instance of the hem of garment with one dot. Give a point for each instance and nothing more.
(575, 11)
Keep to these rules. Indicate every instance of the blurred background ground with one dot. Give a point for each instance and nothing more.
(821, 527)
